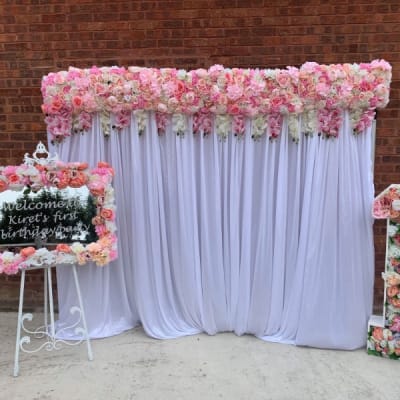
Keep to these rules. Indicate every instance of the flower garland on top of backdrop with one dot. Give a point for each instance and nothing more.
(219, 97)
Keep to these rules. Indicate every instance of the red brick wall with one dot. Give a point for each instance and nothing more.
(40, 36)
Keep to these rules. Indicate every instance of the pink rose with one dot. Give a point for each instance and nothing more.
(101, 230)
(62, 179)
(96, 188)
(395, 302)
(63, 248)
(55, 106)
(51, 176)
(9, 170)
(83, 257)
(97, 220)
(395, 326)
(80, 166)
(113, 255)
(107, 214)
(66, 89)
(276, 103)
(13, 179)
(59, 78)
(377, 333)
(392, 291)
(396, 239)
(179, 88)
(79, 179)
(93, 248)
(77, 101)
(105, 241)
(27, 252)
(283, 79)
(103, 164)
(3, 185)
(233, 109)
(234, 92)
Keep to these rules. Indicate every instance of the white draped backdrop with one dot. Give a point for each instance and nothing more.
(270, 238)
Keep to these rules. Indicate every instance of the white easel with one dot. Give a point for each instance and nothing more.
(48, 331)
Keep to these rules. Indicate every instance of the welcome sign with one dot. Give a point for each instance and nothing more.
(52, 212)
(50, 215)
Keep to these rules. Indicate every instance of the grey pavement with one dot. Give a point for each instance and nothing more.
(224, 366)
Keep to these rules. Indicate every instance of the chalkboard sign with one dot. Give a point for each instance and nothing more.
(52, 215)
(54, 212)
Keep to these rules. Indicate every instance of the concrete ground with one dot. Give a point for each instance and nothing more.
(225, 366)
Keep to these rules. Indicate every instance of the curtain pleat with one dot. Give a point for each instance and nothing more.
(267, 237)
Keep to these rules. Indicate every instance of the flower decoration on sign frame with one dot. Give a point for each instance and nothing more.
(36, 174)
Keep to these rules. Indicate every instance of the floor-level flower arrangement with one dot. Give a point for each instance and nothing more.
(384, 337)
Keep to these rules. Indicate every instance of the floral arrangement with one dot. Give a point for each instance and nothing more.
(387, 204)
(62, 175)
(319, 93)
(385, 340)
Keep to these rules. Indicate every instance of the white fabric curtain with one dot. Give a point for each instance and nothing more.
(272, 238)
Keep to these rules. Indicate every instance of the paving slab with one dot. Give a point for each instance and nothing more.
(225, 366)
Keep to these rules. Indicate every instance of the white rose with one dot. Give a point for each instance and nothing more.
(7, 257)
(392, 230)
(77, 247)
(396, 205)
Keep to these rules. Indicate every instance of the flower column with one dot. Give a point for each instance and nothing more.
(384, 333)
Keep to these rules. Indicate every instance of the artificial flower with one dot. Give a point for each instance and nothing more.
(70, 98)
(62, 175)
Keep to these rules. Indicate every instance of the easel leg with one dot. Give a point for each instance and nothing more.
(89, 347)
(19, 325)
(50, 291)
(46, 303)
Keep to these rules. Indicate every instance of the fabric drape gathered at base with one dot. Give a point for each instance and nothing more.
(267, 237)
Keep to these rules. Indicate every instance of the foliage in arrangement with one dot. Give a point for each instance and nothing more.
(62, 175)
(312, 97)
(385, 340)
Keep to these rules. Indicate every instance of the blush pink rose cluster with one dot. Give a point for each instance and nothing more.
(71, 97)
(59, 174)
